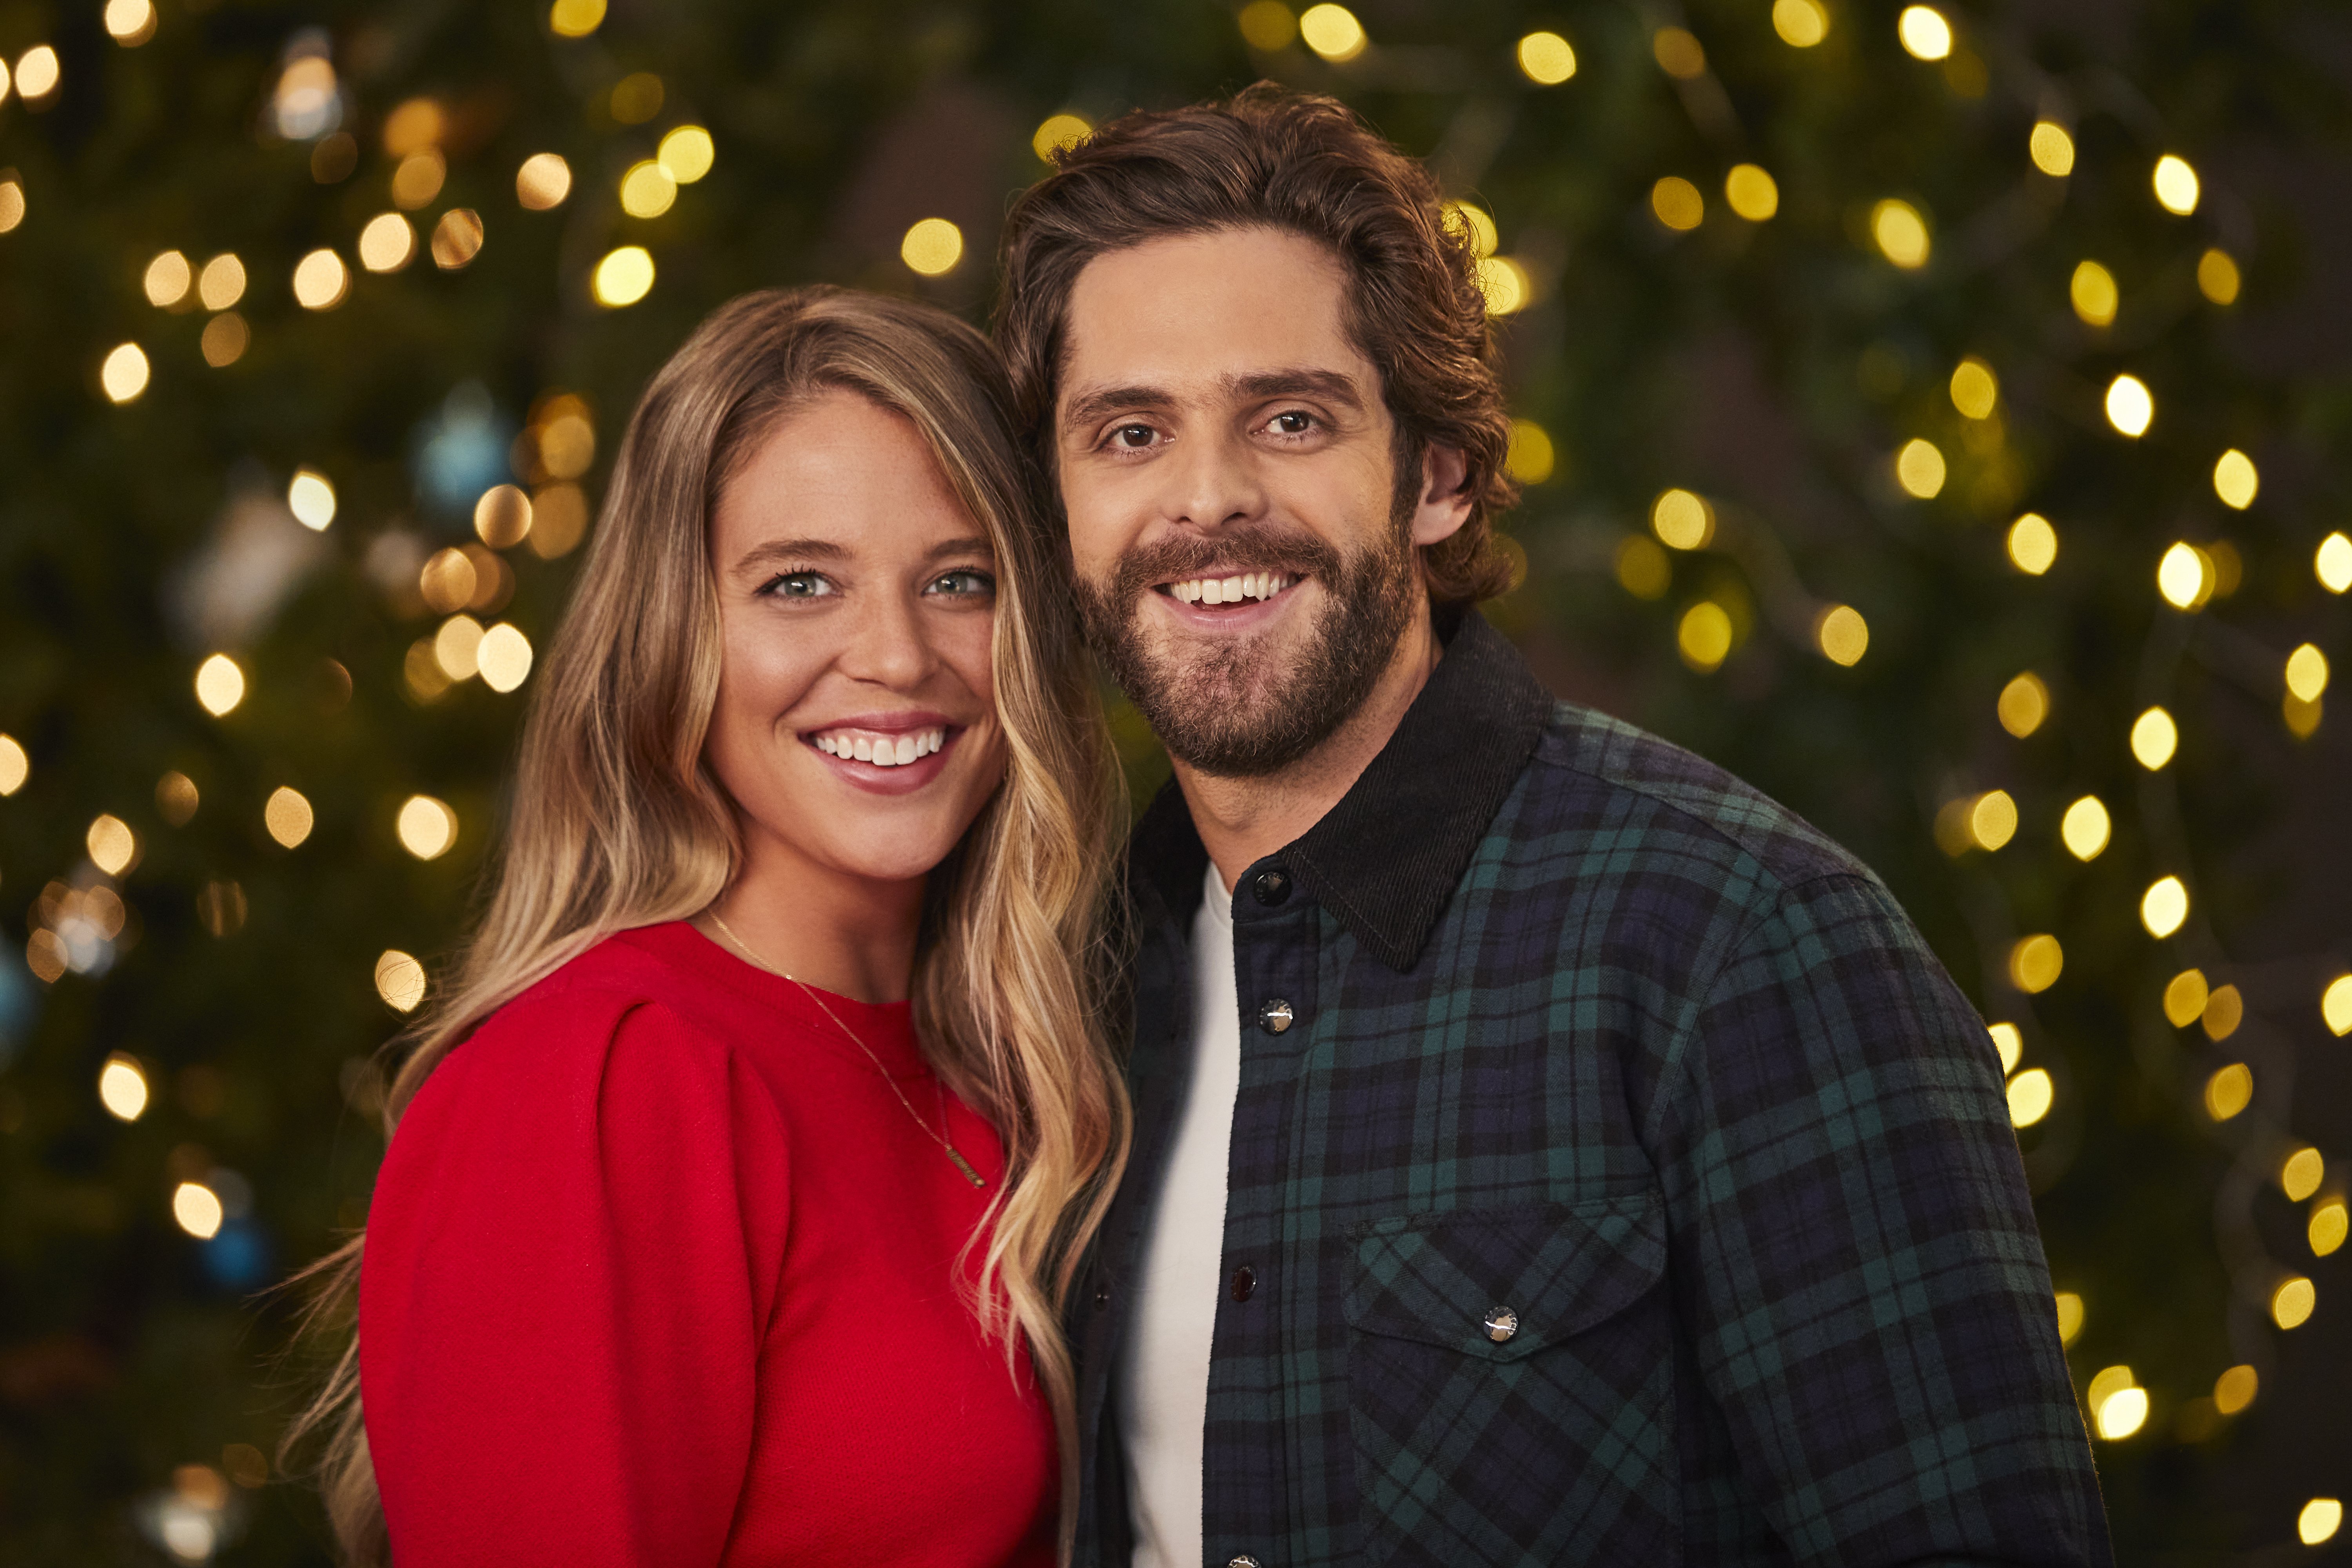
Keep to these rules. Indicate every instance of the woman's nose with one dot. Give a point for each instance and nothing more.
(888, 646)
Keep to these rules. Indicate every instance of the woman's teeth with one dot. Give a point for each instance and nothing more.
(882, 750)
(1231, 590)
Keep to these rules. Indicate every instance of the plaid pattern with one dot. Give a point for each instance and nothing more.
(1591, 1034)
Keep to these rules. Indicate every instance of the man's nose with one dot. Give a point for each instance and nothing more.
(1213, 482)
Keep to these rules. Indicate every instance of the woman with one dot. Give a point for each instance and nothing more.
(739, 1181)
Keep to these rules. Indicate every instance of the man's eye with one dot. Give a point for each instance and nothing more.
(1292, 422)
(963, 584)
(1132, 437)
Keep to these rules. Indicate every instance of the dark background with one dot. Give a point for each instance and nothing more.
(1774, 367)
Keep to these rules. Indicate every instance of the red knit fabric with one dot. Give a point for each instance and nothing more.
(658, 1271)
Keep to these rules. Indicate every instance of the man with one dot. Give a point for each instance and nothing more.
(1549, 1150)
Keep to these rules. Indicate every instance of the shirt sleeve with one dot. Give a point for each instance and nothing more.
(1856, 1255)
(572, 1257)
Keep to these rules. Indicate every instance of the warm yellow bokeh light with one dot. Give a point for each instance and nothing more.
(122, 1086)
(124, 374)
(2176, 185)
(2321, 1518)
(2052, 148)
(2306, 673)
(1643, 570)
(2131, 406)
(321, 281)
(2224, 1011)
(1682, 520)
(426, 827)
(2217, 277)
(129, 23)
(112, 846)
(932, 246)
(2009, 1041)
(575, 19)
(2229, 1092)
(2085, 829)
(1676, 203)
(419, 178)
(1503, 283)
(687, 153)
(1703, 635)
(1992, 819)
(1925, 33)
(287, 815)
(542, 181)
(1545, 59)
(38, 73)
(1059, 133)
(310, 497)
(2121, 1414)
(2336, 1005)
(502, 517)
(197, 1208)
(457, 648)
(2030, 1094)
(1900, 233)
(1976, 391)
(625, 277)
(647, 190)
(1473, 223)
(388, 243)
(15, 767)
(456, 238)
(2024, 704)
(399, 980)
(2185, 995)
(1532, 457)
(2301, 1172)
(2235, 1389)
(1841, 635)
(1268, 25)
(1919, 468)
(503, 658)
(2329, 1225)
(12, 189)
(2332, 562)
(222, 282)
(220, 684)
(1333, 31)
(1802, 24)
(168, 279)
(1752, 193)
(2154, 739)
(2291, 1302)
(1678, 53)
(2093, 294)
(2035, 962)
(2164, 908)
(2070, 1317)
(2235, 479)
(2185, 577)
(2032, 544)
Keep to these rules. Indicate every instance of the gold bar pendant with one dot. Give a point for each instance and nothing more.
(965, 1166)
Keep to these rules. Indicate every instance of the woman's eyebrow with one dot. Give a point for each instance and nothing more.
(771, 552)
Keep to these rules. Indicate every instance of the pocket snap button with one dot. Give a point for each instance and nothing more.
(1245, 1283)
(1501, 1324)
(1275, 1016)
(1271, 887)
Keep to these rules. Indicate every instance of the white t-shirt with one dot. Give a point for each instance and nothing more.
(1163, 1384)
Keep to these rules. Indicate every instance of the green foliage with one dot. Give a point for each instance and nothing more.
(1774, 367)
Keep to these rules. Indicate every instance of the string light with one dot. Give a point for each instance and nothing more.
(2318, 1521)
(1333, 31)
(636, 97)
(2328, 1228)
(427, 827)
(1843, 636)
(1677, 204)
(2235, 1389)
(418, 178)
(1530, 457)
(12, 189)
(1545, 59)
(1919, 468)
(1901, 232)
(1682, 520)
(2235, 479)
(2336, 1005)
(122, 1086)
(1060, 132)
(2332, 562)
(399, 980)
(129, 23)
(321, 281)
(2131, 407)
(687, 153)
(2053, 149)
(1992, 819)
(2293, 1302)
(543, 181)
(1268, 26)
(2031, 1095)
(2176, 185)
(2085, 829)
(2010, 1042)
(2024, 704)
(2069, 1316)
(2185, 997)
(1975, 390)
(2035, 962)
(1925, 33)
(2306, 673)
(1802, 24)
(222, 282)
(1643, 569)
(1503, 283)
(37, 75)
(288, 816)
(456, 238)
(388, 243)
(15, 767)
(2119, 1405)
(1751, 192)
(220, 685)
(625, 277)
(224, 339)
(647, 189)
(2093, 294)
(2229, 1092)
(2032, 544)
(123, 373)
(167, 279)
(2217, 277)
(932, 246)
(197, 1208)
(2185, 577)
(1702, 637)
(310, 497)
(2164, 908)
(2301, 1172)
(575, 19)
(1678, 53)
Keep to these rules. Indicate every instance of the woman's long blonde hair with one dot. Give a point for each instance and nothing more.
(618, 821)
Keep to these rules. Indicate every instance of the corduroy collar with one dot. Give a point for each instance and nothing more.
(1386, 858)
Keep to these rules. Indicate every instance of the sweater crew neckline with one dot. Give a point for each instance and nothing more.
(886, 1029)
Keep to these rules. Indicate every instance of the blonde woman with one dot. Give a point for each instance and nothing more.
(737, 1185)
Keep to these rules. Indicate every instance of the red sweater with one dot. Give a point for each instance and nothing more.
(658, 1271)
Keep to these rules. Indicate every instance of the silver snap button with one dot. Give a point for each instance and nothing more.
(1501, 1324)
(1275, 1016)
(1244, 1560)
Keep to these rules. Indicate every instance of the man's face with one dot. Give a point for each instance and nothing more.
(1244, 552)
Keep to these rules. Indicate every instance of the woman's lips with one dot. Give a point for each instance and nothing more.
(923, 746)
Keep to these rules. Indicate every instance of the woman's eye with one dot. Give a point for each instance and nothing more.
(799, 585)
(963, 584)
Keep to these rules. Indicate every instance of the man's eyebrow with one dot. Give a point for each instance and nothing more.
(1331, 385)
(1088, 407)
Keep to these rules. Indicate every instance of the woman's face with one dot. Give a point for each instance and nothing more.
(857, 719)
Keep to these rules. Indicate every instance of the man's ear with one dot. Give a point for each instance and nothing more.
(1444, 504)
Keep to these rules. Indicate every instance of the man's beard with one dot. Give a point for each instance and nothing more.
(1234, 708)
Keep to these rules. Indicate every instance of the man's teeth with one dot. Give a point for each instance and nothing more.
(1231, 590)
(882, 750)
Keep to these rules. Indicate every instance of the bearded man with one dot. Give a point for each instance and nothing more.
(1548, 1148)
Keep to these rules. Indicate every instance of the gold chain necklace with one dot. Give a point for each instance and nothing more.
(811, 991)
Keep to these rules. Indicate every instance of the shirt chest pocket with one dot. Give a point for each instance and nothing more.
(1510, 1385)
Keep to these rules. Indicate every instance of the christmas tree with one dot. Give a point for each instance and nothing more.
(1928, 412)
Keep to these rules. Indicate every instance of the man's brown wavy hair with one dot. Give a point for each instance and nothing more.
(1273, 158)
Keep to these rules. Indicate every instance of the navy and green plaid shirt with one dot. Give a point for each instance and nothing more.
(1629, 1184)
